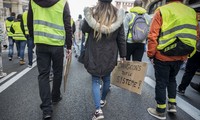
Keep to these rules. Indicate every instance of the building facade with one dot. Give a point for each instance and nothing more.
(8, 6)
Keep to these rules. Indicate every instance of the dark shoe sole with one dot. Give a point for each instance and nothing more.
(57, 101)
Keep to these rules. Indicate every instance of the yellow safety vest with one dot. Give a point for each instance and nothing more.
(72, 22)
(48, 24)
(8, 25)
(24, 17)
(18, 35)
(177, 23)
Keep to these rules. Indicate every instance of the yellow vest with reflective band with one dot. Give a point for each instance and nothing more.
(24, 17)
(138, 10)
(72, 22)
(18, 35)
(8, 25)
(48, 24)
(178, 21)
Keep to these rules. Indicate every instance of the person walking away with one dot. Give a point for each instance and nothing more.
(30, 43)
(19, 37)
(9, 22)
(2, 74)
(104, 25)
(136, 26)
(78, 35)
(192, 66)
(73, 31)
(172, 38)
(50, 33)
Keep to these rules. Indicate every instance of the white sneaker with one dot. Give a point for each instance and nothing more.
(3, 75)
(98, 115)
(102, 103)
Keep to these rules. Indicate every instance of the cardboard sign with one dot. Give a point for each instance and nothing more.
(198, 16)
(129, 75)
(66, 70)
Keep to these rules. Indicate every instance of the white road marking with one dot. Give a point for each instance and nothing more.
(15, 78)
(7, 76)
(185, 106)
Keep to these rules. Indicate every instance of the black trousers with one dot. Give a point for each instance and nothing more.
(45, 55)
(192, 65)
(136, 50)
(165, 74)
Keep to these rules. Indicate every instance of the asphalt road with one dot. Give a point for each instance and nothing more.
(20, 100)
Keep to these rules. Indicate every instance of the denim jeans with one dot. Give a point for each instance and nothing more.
(165, 74)
(45, 55)
(30, 45)
(82, 41)
(21, 44)
(96, 81)
(11, 45)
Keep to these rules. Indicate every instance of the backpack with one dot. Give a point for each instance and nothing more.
(139, 28)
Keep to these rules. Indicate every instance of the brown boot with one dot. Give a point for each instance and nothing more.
(22, 62)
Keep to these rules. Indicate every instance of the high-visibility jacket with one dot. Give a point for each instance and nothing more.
(18, 35)
(177, 23)
(72, 22)
(24, 17)
(8, 26)
(48, 24)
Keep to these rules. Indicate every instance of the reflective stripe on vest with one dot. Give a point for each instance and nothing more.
(24, 16)
(130, 26)
(8, 26)
(48, 24)
(178, 25)
(18, 35)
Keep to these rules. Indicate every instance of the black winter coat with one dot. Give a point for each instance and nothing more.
(101, 56)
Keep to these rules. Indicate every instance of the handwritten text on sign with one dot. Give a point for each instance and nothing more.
(129, 75)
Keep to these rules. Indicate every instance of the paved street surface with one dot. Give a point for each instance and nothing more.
(19, 96)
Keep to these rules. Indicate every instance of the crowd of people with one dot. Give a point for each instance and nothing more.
(103, 35)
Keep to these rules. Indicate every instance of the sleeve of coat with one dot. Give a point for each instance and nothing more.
(121, 43)
(67, 26)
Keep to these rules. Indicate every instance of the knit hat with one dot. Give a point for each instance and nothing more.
(109, 1)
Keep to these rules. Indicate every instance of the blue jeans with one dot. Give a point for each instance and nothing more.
(11, 44)
(21, 44)
(96, 81)
(30, 45)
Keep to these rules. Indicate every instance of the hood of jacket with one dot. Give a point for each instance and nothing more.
(138, 10)
(45, 3)
(10, 18)
(104, 29)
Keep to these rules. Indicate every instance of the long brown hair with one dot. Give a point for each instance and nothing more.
(105, 14)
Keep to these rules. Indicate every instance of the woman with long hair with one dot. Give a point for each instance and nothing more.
(104, 25)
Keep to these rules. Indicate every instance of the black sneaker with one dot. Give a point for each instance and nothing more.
(181, 92)
(46, 116)
(54, 102)
(98, 115)
(195, 86)
(10, 58)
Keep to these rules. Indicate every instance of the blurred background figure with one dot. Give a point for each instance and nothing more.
(9, 22)
(2, 74)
